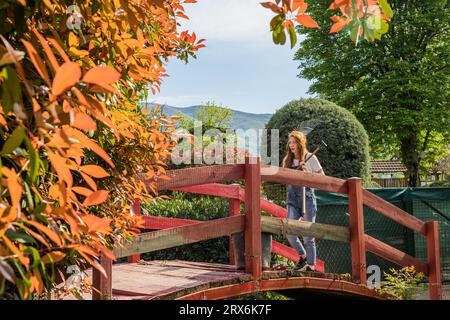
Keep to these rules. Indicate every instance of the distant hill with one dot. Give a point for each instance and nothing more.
(241, 120)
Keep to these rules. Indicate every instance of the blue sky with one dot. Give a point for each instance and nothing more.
(240, 67)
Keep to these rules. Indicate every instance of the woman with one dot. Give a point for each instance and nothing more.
(298, 157)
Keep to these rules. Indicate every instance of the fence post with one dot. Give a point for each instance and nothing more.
(136, 207)
(102, 284)
(234, 210)
(253, 262)
(434, 262)
(358, 247)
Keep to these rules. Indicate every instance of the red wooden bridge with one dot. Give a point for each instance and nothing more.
(193, 280)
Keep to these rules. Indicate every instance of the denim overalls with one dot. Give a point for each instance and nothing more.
(294, 202)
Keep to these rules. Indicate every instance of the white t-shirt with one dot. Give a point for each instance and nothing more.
(312, 165)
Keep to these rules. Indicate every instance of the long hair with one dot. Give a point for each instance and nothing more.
(300, 138)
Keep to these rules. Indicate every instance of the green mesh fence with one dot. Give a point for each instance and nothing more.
(424, 203)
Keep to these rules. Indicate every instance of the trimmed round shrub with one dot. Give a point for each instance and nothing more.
(347, 152)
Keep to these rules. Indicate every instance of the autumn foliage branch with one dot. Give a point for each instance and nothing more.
(72, 134)
(366, 19)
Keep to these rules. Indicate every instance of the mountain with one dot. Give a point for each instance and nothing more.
(241, 120)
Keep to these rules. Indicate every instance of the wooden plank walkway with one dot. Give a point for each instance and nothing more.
(170, 279)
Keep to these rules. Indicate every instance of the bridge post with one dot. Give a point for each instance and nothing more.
(235, 210)
(136, 207)
(253, 262)
(99, 282)
(434, 263)
(357, 242)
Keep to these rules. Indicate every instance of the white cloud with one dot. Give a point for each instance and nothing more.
(229, 20)
(179, 101)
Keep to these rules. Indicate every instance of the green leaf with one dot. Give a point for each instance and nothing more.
(34, 161)
(384, 28)
(386, 8)
(277, 22)
(354, 31)
(20, 236)
(36, 256)
(281, 37)
(38, 213)
(28, 195)
(14, 141)
(292, 35)
(11, 90)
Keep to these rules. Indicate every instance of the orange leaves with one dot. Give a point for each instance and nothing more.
(52, 235)
(288, 12)
(94, 171)
(97, 224)
(84, 122)
(358, 18)
(339, 24)
(102, 76)
(306, 21)
(66, 77)
(24, 260)
(272, 6)
(340, 3)
(96, 197)
(59, 163)
(53, 257)
(301, 5)
(37, 62)
(82, 191)
(63, 152)
(36, 282)
(87, 143)
(14, 186)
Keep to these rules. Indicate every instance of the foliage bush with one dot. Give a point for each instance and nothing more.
(402, 284)
(347, 151)
(196, 207)
(441, 183)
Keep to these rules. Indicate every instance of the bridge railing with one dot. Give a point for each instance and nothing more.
(361, 242)
(252, 223)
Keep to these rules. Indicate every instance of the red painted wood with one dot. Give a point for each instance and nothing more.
(100, 282)
(168, 238)
(434, 261)
(136, 208)
(233, 192)
(394, 255)
(273, 209)
(223, 292)
(253, 263)
(290, 253)
(357, 239)
(213, 189)
(201, 175)
(235, 210)
(301, 178)
(393, 212)
(158, 223)
(319, 284)
(234, 290)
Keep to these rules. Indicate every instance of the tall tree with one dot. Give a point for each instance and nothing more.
(398, 87)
